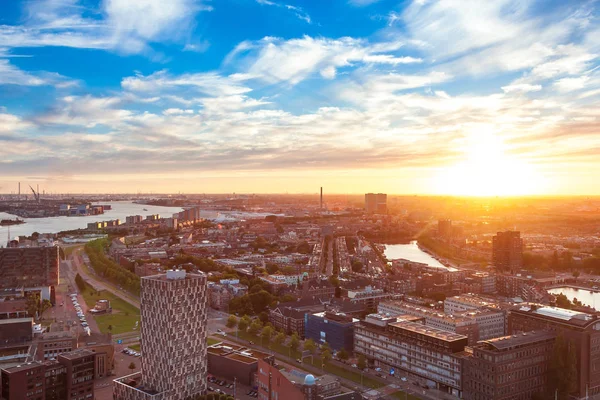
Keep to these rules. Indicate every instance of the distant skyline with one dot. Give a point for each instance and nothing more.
(451, 97)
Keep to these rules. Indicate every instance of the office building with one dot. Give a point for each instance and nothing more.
(507, 251)
(403, 345)
(335, 329)
(173, 337)
(69, 377)
(509, 367)
(30, 268)
(463, 325)
(579, 329)
(376, 203)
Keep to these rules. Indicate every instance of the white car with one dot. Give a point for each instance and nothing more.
(403, 379)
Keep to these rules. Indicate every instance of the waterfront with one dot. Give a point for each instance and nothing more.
(412, 252)
(587, 297)
(120, 210)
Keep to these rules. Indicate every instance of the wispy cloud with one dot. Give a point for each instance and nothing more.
(276, 60)
(297, 11)
(65, 23)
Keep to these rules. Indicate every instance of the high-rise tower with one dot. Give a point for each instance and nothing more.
(507, 251)
(173, 337)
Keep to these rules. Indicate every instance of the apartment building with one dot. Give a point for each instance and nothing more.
(403, 344)
(69, 377)
(173, 337)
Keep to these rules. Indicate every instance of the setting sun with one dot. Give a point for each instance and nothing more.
(488, 170)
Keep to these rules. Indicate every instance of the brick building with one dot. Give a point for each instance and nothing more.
(581, 330)
(69, 377)
(510, 367)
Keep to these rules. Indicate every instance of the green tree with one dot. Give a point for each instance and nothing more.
(110, 328)
(576, 275)
(279, 338)
(232, 321)
(326, 356)
(342, 354)
(309, 345)
(80, 282)
(362, 362)
(255, 326)
(267, 333)
(132, 366)
(45, 305)
(563, 367)
(294, 342)
(244, 323)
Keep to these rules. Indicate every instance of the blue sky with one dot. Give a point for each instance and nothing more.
(456, 96)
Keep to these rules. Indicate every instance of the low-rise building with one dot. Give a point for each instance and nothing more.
(335, 329)
(368, 296)
(234, 362)
(278, 383)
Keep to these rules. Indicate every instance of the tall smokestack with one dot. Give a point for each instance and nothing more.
(321, 197)
(19, 190)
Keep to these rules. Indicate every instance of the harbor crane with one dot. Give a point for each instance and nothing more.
(35, 194)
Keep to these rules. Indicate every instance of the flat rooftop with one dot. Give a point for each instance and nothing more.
(24, 367)
(575, 318)
(174, 276)
(428, 331)
(519, 340)
(72, 355)
(16, 321)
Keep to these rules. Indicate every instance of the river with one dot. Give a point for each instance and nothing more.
(120, 210)
(412, 252)
(587, 297)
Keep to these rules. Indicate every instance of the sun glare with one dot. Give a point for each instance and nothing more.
(488, 170)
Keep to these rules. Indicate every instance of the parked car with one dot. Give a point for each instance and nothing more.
(403, 379)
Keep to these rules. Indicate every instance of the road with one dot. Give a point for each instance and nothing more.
(78, 258)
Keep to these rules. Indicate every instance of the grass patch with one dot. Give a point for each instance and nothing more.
(212, 341)
(68, 250)
(316, 362)
(123, 316)
(135, 347)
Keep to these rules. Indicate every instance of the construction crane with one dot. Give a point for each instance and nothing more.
(35, 194)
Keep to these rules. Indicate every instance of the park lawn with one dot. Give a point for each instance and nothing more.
(123, 316)
(212, 341)
(317, 361)
(135, 347)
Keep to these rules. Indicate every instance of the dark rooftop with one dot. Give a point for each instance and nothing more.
(522, 339)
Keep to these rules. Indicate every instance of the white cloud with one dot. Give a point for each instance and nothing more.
(127, 26)
(10, 123)
(571, 84)
(298, 11)
(389, 59)
(276, 60)
(521, 87)
(177, 111)
(210, 83)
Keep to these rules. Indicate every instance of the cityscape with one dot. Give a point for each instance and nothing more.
(299, 200)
